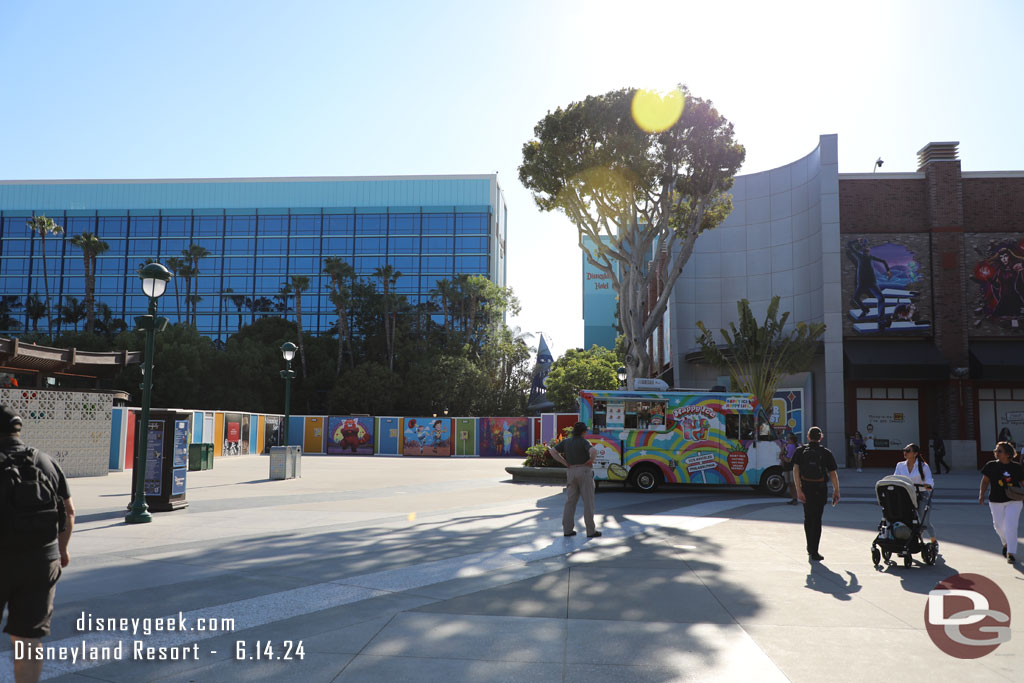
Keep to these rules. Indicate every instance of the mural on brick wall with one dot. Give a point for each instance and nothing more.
(72, 426)
(998, 283)
(886, 285)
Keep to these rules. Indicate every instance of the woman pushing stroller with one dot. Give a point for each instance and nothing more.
(914, 467)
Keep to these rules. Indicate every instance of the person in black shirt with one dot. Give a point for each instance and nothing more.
(30, 568)
(577, 454)
(999, 474)
(812, 465)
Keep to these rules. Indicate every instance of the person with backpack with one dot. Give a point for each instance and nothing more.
(36, 519)
(813, 464)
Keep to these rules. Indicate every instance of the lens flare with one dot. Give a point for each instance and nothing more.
(412, 516)
(655, 111)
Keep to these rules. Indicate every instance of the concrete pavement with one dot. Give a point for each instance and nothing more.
(416, 569)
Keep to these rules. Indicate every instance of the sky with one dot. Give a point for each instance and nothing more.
(219, 88)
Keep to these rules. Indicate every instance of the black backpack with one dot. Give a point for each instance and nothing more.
(812, 464)
(30, 508)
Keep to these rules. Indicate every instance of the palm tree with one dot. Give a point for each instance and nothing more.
(443, 291)
(239, 301)
(192, 255)
(282, 297)
(175, 265)
(91, 246)
(106, 324)
(35, 309)
(298, 285)
(8, 305)
(387, 276)
(43, 226)
(72, 311)
(341, 274)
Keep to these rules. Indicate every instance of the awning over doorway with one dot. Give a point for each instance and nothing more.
(894, 360)
(997, 360)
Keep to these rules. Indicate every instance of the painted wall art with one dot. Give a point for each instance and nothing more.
(886, 286)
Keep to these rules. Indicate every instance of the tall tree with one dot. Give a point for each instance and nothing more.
(193, 255)
(298, 285)
(576, 370)
(35, 308)
(387, 277)
(9, 304)
(758, 357)
(43, 226)
(91, 246)
(176, 266)
(341, 276)
(239, 301)
(72, 311)
(636, 190)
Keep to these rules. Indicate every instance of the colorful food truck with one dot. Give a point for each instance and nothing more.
(647, 438)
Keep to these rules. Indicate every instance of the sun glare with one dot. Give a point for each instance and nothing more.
(655, 111)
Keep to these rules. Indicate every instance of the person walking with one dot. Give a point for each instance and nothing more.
(813, 464)
(36, 519)
(914, 467)
(996, 476)
(859, 449)
(786, 460)
(577, 454)
(939, 449)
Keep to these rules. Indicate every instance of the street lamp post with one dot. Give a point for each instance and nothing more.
(621, 373)
(154, 282)
(288, 351)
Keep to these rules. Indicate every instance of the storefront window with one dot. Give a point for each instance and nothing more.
(1000, 417)
(888, 420)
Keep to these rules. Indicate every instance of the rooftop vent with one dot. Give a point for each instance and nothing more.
(936, 151)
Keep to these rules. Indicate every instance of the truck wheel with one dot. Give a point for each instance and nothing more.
(646, 478)
(773, 482)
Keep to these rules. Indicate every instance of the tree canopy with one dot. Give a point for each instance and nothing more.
(578, 369)
(757, 357)
(638, 193)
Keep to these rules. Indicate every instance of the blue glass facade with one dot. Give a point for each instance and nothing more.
(253, 252)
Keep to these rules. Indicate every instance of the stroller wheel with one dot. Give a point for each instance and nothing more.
(930, 553)
(908, 560)
(876, 555)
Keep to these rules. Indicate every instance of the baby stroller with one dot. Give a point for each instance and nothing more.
(899, 532)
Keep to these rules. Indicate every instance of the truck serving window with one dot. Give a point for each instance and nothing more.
(739, 427)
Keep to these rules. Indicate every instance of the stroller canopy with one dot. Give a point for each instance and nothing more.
(897, 481)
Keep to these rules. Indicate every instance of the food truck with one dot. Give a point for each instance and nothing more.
(647, 438)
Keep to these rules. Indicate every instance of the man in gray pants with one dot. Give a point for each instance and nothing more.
(577, 455)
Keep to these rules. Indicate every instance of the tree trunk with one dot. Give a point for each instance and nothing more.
(90, 287)
(298, 320)
(46, 287)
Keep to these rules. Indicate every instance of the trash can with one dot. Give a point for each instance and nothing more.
(285, 462)
(200, 456)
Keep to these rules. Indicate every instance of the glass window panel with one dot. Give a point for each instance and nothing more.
(176, 226)
(272, 245)
(475, 264)
(273, 225)
(109, 266)
(108, 227)
(437, 223)
(304, 265)
(172, 247)
(136, 304)
(16, 247)
(910, 392)
(109, 284)
(206, 283)
(206, 323)
(72, 267)
(208, 226)
(76, 225)
(405, 224)
(338, 224)
(371, 224)
(370, 245)
(238, 264)
(214, 245)
(986, 393)
(367, 264)
(471, 244)
(407, 285)
(1003, 393)
(877, 392)
(403, 245)
(14, 284)
(271, 264)
(74, 286)
(140, 226)
(436, 264)
(236, 245)
(305, 245)
(144, 247)
(471, 223)
(305, 226)
(241, 284)
(334, 246)
(406, 264)
(895, 393)
(239, 225)
(14, 266)
(437, 245)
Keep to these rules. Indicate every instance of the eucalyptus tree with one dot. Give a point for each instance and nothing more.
(92, 246)
(43, 226)
(638, 188)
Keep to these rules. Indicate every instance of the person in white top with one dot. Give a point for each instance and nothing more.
(914, 467)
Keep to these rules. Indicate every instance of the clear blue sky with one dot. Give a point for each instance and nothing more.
(130, 89)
